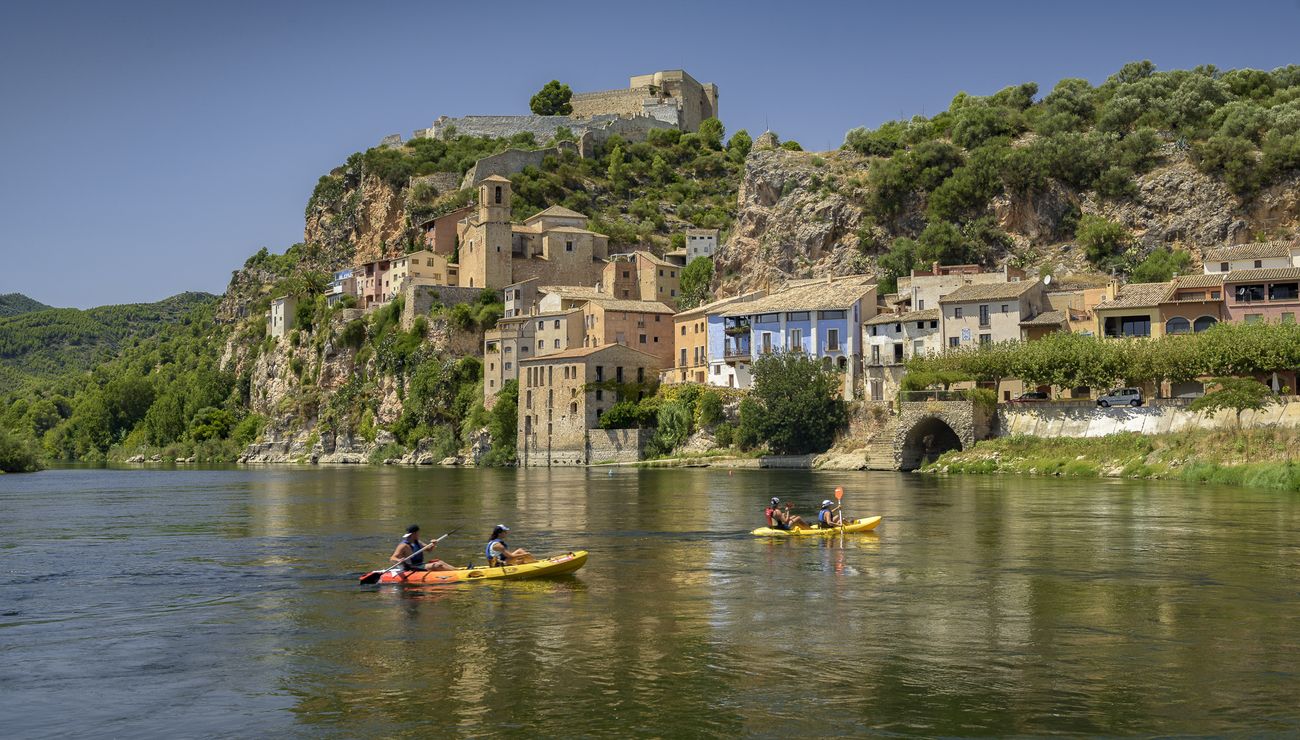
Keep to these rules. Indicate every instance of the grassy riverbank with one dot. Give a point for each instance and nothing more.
(1254, 458)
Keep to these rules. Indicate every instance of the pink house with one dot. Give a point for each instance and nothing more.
(1268, 294)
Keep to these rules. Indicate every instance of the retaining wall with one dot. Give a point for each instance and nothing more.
(616, 445)
(1158, 417)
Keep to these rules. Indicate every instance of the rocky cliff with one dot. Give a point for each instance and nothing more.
(801, 214)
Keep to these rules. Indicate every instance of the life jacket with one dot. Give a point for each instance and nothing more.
(415, 561)
(824, 518)
(494, 556)
(768, 513)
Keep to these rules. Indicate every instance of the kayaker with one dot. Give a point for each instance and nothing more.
(828, 517)
(499, 553)
(411, 544)
(784, 520)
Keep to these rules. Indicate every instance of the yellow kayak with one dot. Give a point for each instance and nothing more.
(552, 566)
(857, 525)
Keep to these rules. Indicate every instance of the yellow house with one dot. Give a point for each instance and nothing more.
(1131, 310)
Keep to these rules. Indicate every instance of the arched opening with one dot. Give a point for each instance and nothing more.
(1178, 325)
(926, 441)
(1203, 323)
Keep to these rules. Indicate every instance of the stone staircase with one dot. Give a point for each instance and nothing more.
(880, 449)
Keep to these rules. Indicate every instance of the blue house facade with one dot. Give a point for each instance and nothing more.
(820, 318)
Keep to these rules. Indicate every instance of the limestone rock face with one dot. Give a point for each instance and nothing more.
(366, 222)
(790, 222)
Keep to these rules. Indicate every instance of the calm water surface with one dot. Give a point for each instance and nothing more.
(168, 603)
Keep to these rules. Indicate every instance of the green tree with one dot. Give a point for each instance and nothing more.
(672, 427)
(1238, 394)
(552, 100)
(617, 172)
(801, 400)
(711, 132)
(1160, 266)
(1100, 238)
(708, 409)
(17, 455)
(503, 420)
(696, 279)
(739, 145)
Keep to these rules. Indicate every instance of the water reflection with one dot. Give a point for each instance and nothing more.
(981, 606)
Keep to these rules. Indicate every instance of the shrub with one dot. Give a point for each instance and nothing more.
(1100, 238)
(802, 408)
(708, 409)
(18, 455)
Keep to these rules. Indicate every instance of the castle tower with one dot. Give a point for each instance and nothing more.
(495, 232)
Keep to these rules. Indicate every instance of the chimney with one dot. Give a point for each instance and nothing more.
(1111, 289)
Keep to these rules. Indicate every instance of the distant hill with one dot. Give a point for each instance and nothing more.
(13, 304)
(48, 342)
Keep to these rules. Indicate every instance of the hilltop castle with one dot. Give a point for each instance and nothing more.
(664, 99)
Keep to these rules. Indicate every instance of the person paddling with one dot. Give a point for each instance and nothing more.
(499, 553)
(411, 544)
(829, 517)
(783, 519)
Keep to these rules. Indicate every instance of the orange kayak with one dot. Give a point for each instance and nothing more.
(552, 566)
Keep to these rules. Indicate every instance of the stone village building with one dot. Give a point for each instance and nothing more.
(552, 245)
(692, 350)
(562, 397)
(889, 340)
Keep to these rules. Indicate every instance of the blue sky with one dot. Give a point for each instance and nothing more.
(149, 148)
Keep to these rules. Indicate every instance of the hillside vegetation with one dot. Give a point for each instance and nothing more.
(43, 344)
(932, 181)
(12, 304)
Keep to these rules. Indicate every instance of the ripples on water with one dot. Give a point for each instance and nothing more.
(224, 603)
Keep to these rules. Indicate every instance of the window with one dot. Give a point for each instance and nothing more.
(599, 394)
(898, 328)
(1259, 264)
(1288, 318)
(898, 353)
(1214, 295)
(1128, 326)
(875, 354)
(657, 317)
(918, 347)
(794, 342)
(625, 273)
(683, 329)
(682, 361)
(498, 195)
(830, 314)
(557, 323)
(984, 316)
(640, 375)
(768, 318)
(920, 304)
(618, 374)
(1203, 323)
(797, 316)
(1249, 293)
(1283, 291)
(1178, 325)
(557, 343)
(767, 342)
(672, 273)
(956, 313)
(568, 245)
(1254, 318)
(986, 339)
(832, 340)
(661, 273)
(920, 324)
(509, 365)
(1223, 267)
(600, 373)
(954, 342)
(541, 326)
(641, 338)
(1004, 308)
(934, 324)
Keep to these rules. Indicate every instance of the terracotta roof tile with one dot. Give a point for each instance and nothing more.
(1265, 273)
(1046, 318)
(1258, 250)
(1137, 295)
(811, 295)
(990, 291)
(929, 314)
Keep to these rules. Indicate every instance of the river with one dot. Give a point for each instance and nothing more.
(224, 603)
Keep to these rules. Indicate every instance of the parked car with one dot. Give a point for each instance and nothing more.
(1121, 397)
(1030, 397)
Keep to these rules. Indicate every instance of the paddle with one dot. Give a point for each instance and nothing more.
(373, 576)
(839, 501)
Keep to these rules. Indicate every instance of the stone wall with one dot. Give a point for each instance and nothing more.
(970, 422)
(1157, 417)
(511, 161)
(626, 102)
(616, 445)
(543, 128)
(420, 298)
(442, 182)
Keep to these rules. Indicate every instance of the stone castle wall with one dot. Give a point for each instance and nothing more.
(620, 102)
(420, 298)
(511, 161)
(442, 182)
(543, 127)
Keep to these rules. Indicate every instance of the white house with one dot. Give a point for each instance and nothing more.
(1259, 256)
(281, 317)
(889, 340)
(700, 243)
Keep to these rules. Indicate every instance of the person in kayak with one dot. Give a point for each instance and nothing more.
(828, 517)
(499, 553)
(411, 544)
(783, 519)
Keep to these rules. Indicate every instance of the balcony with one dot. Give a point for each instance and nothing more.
(736, 351)
(739, 330)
